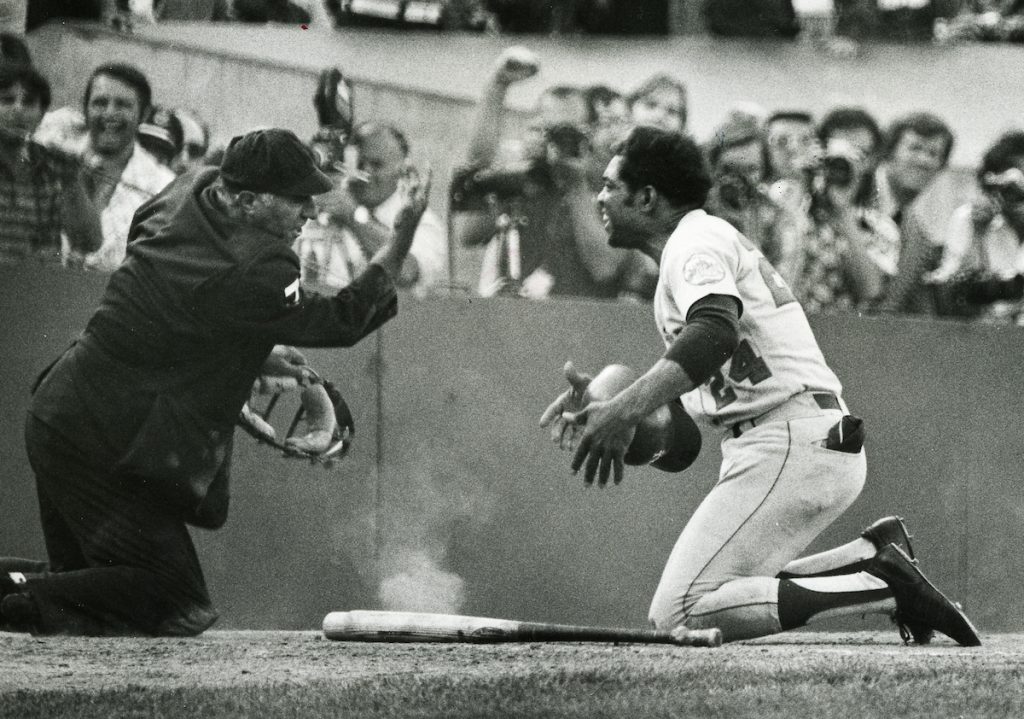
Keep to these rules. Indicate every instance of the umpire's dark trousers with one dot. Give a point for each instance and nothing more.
(119, 562)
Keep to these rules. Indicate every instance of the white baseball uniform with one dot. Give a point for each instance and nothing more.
(776, 399)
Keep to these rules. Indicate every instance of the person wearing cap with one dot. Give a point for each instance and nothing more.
(162, 135)
(129, 432)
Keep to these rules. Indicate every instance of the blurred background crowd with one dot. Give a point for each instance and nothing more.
(941, 20)
(830, 198)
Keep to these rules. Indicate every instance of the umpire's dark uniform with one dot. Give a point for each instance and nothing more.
(130, 430)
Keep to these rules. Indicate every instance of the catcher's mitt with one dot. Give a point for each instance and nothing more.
(328, 420)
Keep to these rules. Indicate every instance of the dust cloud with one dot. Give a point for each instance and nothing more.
(405, 546)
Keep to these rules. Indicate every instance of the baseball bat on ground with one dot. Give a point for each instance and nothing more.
(384, 626)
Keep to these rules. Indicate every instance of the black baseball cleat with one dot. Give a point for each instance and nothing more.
(892, 530)
(918, 602)
(889, 530)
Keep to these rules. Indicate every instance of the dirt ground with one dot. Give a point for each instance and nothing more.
(240, 658)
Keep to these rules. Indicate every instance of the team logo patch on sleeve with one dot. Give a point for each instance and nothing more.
(703, 269)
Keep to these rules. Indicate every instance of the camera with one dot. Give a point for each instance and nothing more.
(568, 140)
(471, 186)
(838, 171)
(967, 292)
(838, 166)
(1007, 186)
(333, 101)
(735, 191)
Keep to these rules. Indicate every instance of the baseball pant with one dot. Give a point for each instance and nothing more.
(778, 489)
(119, 562)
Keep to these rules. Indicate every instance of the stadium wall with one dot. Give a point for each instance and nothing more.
(454, 500)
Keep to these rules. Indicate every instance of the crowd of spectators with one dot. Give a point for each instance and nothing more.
(832, 201)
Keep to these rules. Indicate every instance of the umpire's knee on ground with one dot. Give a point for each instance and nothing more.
(120, 563)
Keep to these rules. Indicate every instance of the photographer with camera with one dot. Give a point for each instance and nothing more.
(533, 205)
(982, 269)
(852, 248)
(356, 218)
(737, 155)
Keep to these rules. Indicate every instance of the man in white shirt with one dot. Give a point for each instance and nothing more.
(357, 218)
(121, 176)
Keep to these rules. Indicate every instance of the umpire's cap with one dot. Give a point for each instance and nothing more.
(274, 161)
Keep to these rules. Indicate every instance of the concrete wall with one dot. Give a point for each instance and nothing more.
(453, 499)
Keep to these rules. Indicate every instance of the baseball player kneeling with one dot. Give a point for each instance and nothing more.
(741, 356)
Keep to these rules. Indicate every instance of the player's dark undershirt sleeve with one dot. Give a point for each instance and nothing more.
(709, 338)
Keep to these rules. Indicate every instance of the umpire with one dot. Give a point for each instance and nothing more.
(130, 431)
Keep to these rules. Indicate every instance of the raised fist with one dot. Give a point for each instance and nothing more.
(515, 64)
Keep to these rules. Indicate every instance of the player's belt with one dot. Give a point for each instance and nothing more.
(804, 404)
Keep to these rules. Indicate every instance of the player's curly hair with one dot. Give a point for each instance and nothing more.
(670, 162)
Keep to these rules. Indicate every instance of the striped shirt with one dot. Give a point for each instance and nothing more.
(31, 196)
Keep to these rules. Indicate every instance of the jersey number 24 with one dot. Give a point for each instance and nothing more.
(746, 363)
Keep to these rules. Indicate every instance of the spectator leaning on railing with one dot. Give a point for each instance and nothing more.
(41, 190)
